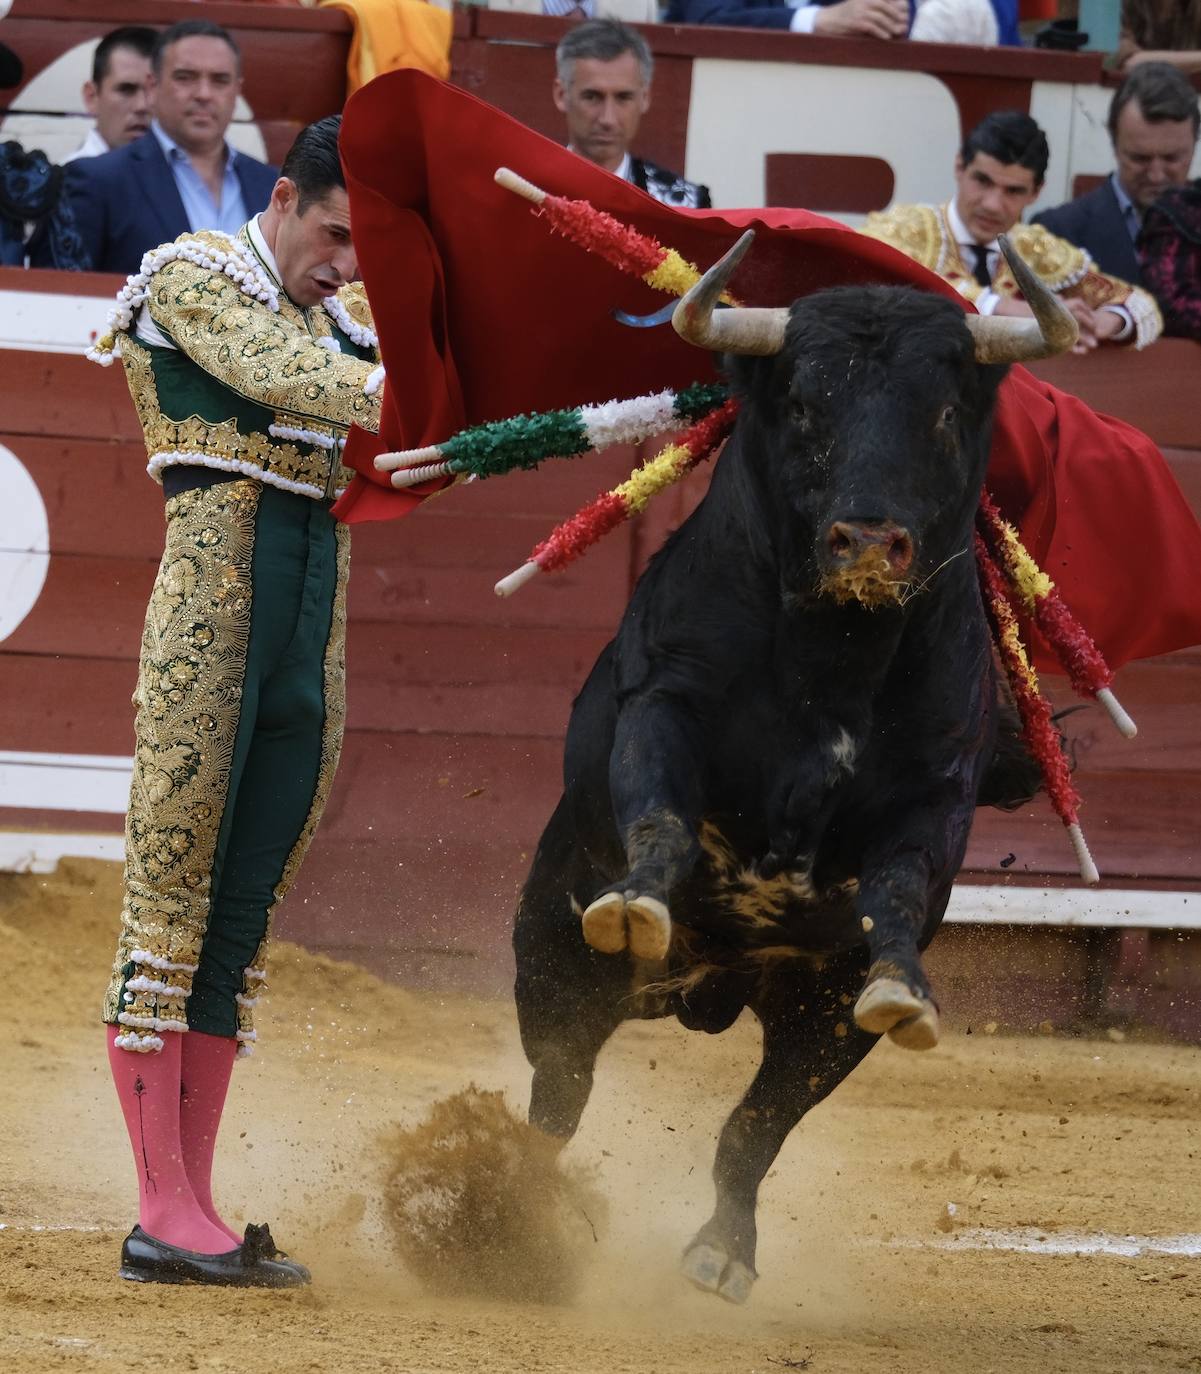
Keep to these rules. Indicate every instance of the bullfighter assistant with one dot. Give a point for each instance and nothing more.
(248, 359)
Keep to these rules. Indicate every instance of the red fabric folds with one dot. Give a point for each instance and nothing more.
(483, 313)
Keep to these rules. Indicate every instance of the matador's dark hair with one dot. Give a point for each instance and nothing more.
(1012, 138)
(313, 164)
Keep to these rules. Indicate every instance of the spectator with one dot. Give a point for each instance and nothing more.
(1153, 121)
(182, 174)
(628, 11)
(1161, 31)
(1170, 247)
(118, 95)
(956, 21)
(603, 88)
(998, 174)
(36, 228)
(834, 18)
(947, 21)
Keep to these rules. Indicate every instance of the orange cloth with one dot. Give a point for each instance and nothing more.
(390, 34)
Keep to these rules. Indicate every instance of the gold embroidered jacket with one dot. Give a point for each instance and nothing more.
(924, 234)
(229, 373)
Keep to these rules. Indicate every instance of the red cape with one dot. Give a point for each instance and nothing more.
(483, 313)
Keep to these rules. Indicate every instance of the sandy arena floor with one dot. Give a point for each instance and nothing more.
(1048, 1143)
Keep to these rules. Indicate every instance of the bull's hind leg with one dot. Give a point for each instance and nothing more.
(810, 1044)
(655, 791)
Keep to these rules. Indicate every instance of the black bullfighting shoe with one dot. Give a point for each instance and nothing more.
(259, 1246)
(249, 1265)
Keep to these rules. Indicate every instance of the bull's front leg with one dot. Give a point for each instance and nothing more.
(655, 787)
(902, 894)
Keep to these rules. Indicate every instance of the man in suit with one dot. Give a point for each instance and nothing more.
(833, 18)
(118, 95)
(603, 88)
(180, 175)
(958, 21)
(1153, 122)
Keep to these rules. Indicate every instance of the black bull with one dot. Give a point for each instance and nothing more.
(771, 772)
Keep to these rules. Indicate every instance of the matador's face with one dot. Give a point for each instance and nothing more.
(313, 249)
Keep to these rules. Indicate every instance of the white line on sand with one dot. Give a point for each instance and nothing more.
(1033, 1240)
(1023, 1239)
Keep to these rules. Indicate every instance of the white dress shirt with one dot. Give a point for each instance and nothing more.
(92, 146)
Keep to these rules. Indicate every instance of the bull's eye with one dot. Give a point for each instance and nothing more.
(948, 416)
(796, 412)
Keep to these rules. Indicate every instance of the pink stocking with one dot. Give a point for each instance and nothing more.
(148, 1089)
(207, 1061)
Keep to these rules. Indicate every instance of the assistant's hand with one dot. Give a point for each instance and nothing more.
(1093, 327)
(864, 19)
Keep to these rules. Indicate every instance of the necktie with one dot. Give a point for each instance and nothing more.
(574, 9)
(980, 271)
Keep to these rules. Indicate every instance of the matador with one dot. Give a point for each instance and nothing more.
(248, 358)
(999, 173)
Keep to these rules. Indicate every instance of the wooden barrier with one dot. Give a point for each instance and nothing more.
(457, 701)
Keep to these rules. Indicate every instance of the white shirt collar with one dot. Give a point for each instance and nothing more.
(624, 170)
(92, 146)
(959, 230)
(171, 148)
(259, 244)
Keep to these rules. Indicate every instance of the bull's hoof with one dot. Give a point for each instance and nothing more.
(709, 1268)
(641, 924)
(604, 923)
(887, 1005)
(649, 923)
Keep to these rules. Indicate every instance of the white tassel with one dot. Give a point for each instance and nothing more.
(143, 956)
(359, 334)
(139, 1044)
(144, 984)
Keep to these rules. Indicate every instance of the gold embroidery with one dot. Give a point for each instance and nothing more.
(923, 233)
(258, 353)
(333, 727)
(188, 698)
(292, 465)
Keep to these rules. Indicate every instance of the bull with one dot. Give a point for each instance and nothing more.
(771, 772)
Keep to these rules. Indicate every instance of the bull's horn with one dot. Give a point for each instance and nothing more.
(740, 329)
(1008, 339)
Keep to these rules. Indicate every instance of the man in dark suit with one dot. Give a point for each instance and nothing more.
(180, 175)
(1153, 122)
(833, 18)
(603, 88)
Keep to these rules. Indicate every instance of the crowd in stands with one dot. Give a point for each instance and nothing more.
(1125, 256)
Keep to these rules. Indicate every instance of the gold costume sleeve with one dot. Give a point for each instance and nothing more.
(257, 352)
(918, 231)
(1072, 273)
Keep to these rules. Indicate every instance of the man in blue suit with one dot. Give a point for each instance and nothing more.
(1153, 122)
(181, 175)
(831, 18)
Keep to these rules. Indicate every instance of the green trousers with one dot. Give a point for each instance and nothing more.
(240, 710)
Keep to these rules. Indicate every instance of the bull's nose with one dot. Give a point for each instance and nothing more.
(848, 540)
